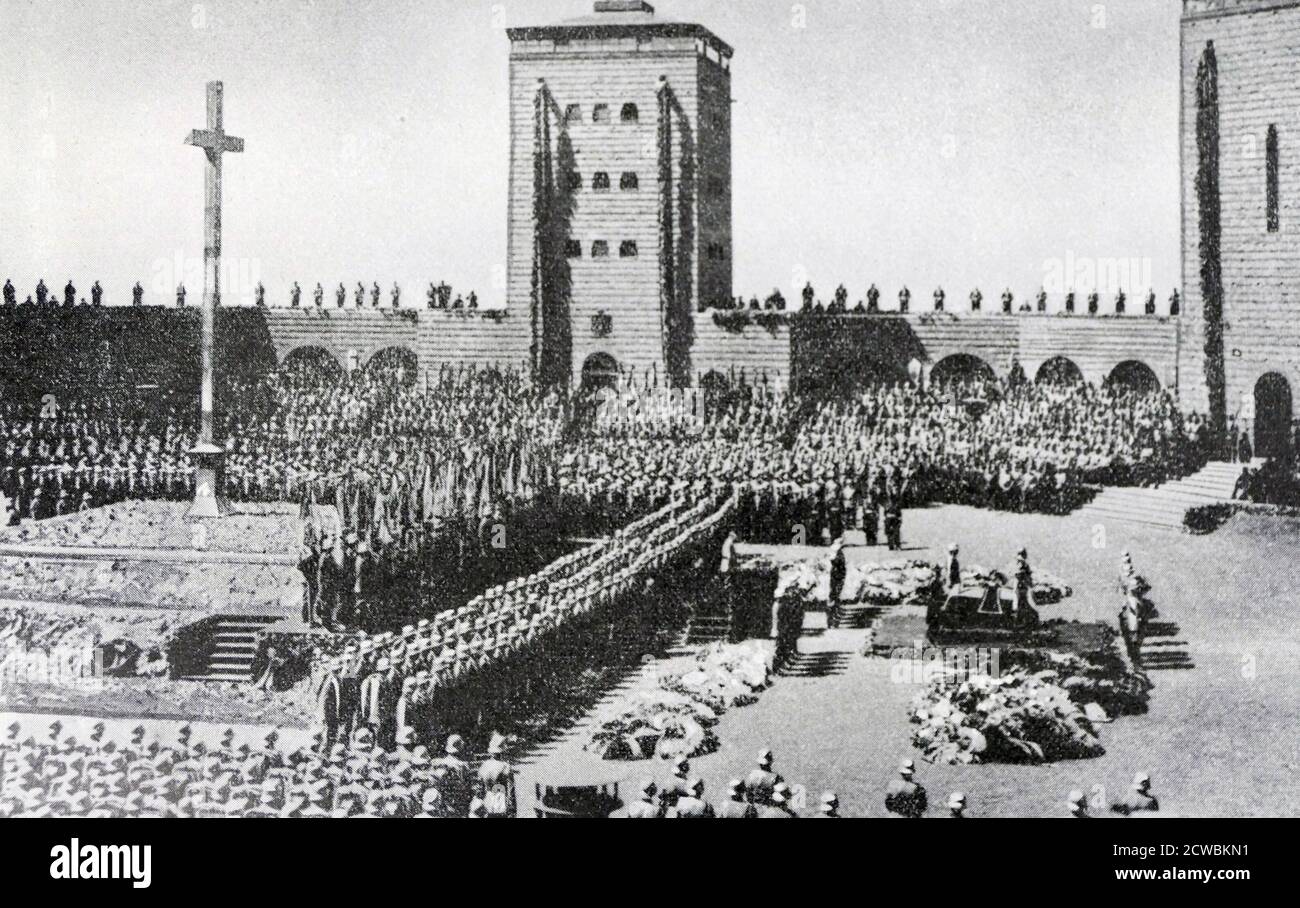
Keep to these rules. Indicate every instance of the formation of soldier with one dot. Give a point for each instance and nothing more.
(439, 296)
(397, 683)
(762, 794)
(142, 777)
(810, 303)
(808, 468)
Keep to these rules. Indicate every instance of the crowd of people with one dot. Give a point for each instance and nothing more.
(415, 681)
(427, 478)
(444, 486)
(808, 468)
(102, 777)
(810, 303)
(437, 296)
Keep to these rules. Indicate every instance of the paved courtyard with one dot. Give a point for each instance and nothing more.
(1220, 738)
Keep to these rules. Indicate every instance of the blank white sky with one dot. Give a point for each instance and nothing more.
(954, 142)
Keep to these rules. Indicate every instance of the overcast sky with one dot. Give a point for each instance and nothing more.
(953, 142)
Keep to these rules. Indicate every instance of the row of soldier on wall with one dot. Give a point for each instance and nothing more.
(839, 303)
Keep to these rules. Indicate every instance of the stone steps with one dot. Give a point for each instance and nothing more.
(234, 648)
(1166, 505)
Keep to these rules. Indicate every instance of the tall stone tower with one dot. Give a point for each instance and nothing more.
(620, 190)
(1240, 347)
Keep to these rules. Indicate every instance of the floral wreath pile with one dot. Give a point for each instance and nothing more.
(1045, 705)
(894, 582)
(1017, 717)
(676, 717)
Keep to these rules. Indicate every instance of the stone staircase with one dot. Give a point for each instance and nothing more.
(702, 629)
(234, 647)
(710, 620)
(1164, 507)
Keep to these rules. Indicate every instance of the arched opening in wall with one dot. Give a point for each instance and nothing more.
(714, 387)
(1133, 375)
(394, 365)
(312, 364)
(600, 371)
(961, 367)
(1059, 370)
(1272, 416)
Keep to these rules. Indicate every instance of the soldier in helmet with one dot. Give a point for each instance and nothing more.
(735, 806)
(760, 783)
(692, 805)
(829, 808)
(778, 806)
(646, 807)
(905, 797)
(1138, 799)
(455, 778)
(678, 785)
(957, 805)
(497, 777)
(954, 567)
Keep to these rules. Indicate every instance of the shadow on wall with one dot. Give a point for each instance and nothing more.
(120, 349)
(837, 356)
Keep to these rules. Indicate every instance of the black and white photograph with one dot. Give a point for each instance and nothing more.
(677, 409)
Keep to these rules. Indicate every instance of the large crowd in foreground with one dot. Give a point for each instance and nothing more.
(102, 777)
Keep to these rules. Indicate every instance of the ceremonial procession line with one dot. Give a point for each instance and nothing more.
(508, 620)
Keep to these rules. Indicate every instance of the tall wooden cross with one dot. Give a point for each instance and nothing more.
(208, 489)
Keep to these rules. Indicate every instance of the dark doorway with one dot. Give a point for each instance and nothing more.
(394, 364)
(600, 371)
(1272, 416)
(312, 363)
(960, 367)
(1132, 375)
(1059, 371)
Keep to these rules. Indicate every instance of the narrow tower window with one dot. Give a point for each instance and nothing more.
(1271, 177)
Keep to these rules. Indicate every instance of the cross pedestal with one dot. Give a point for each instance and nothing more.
(208, 480)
